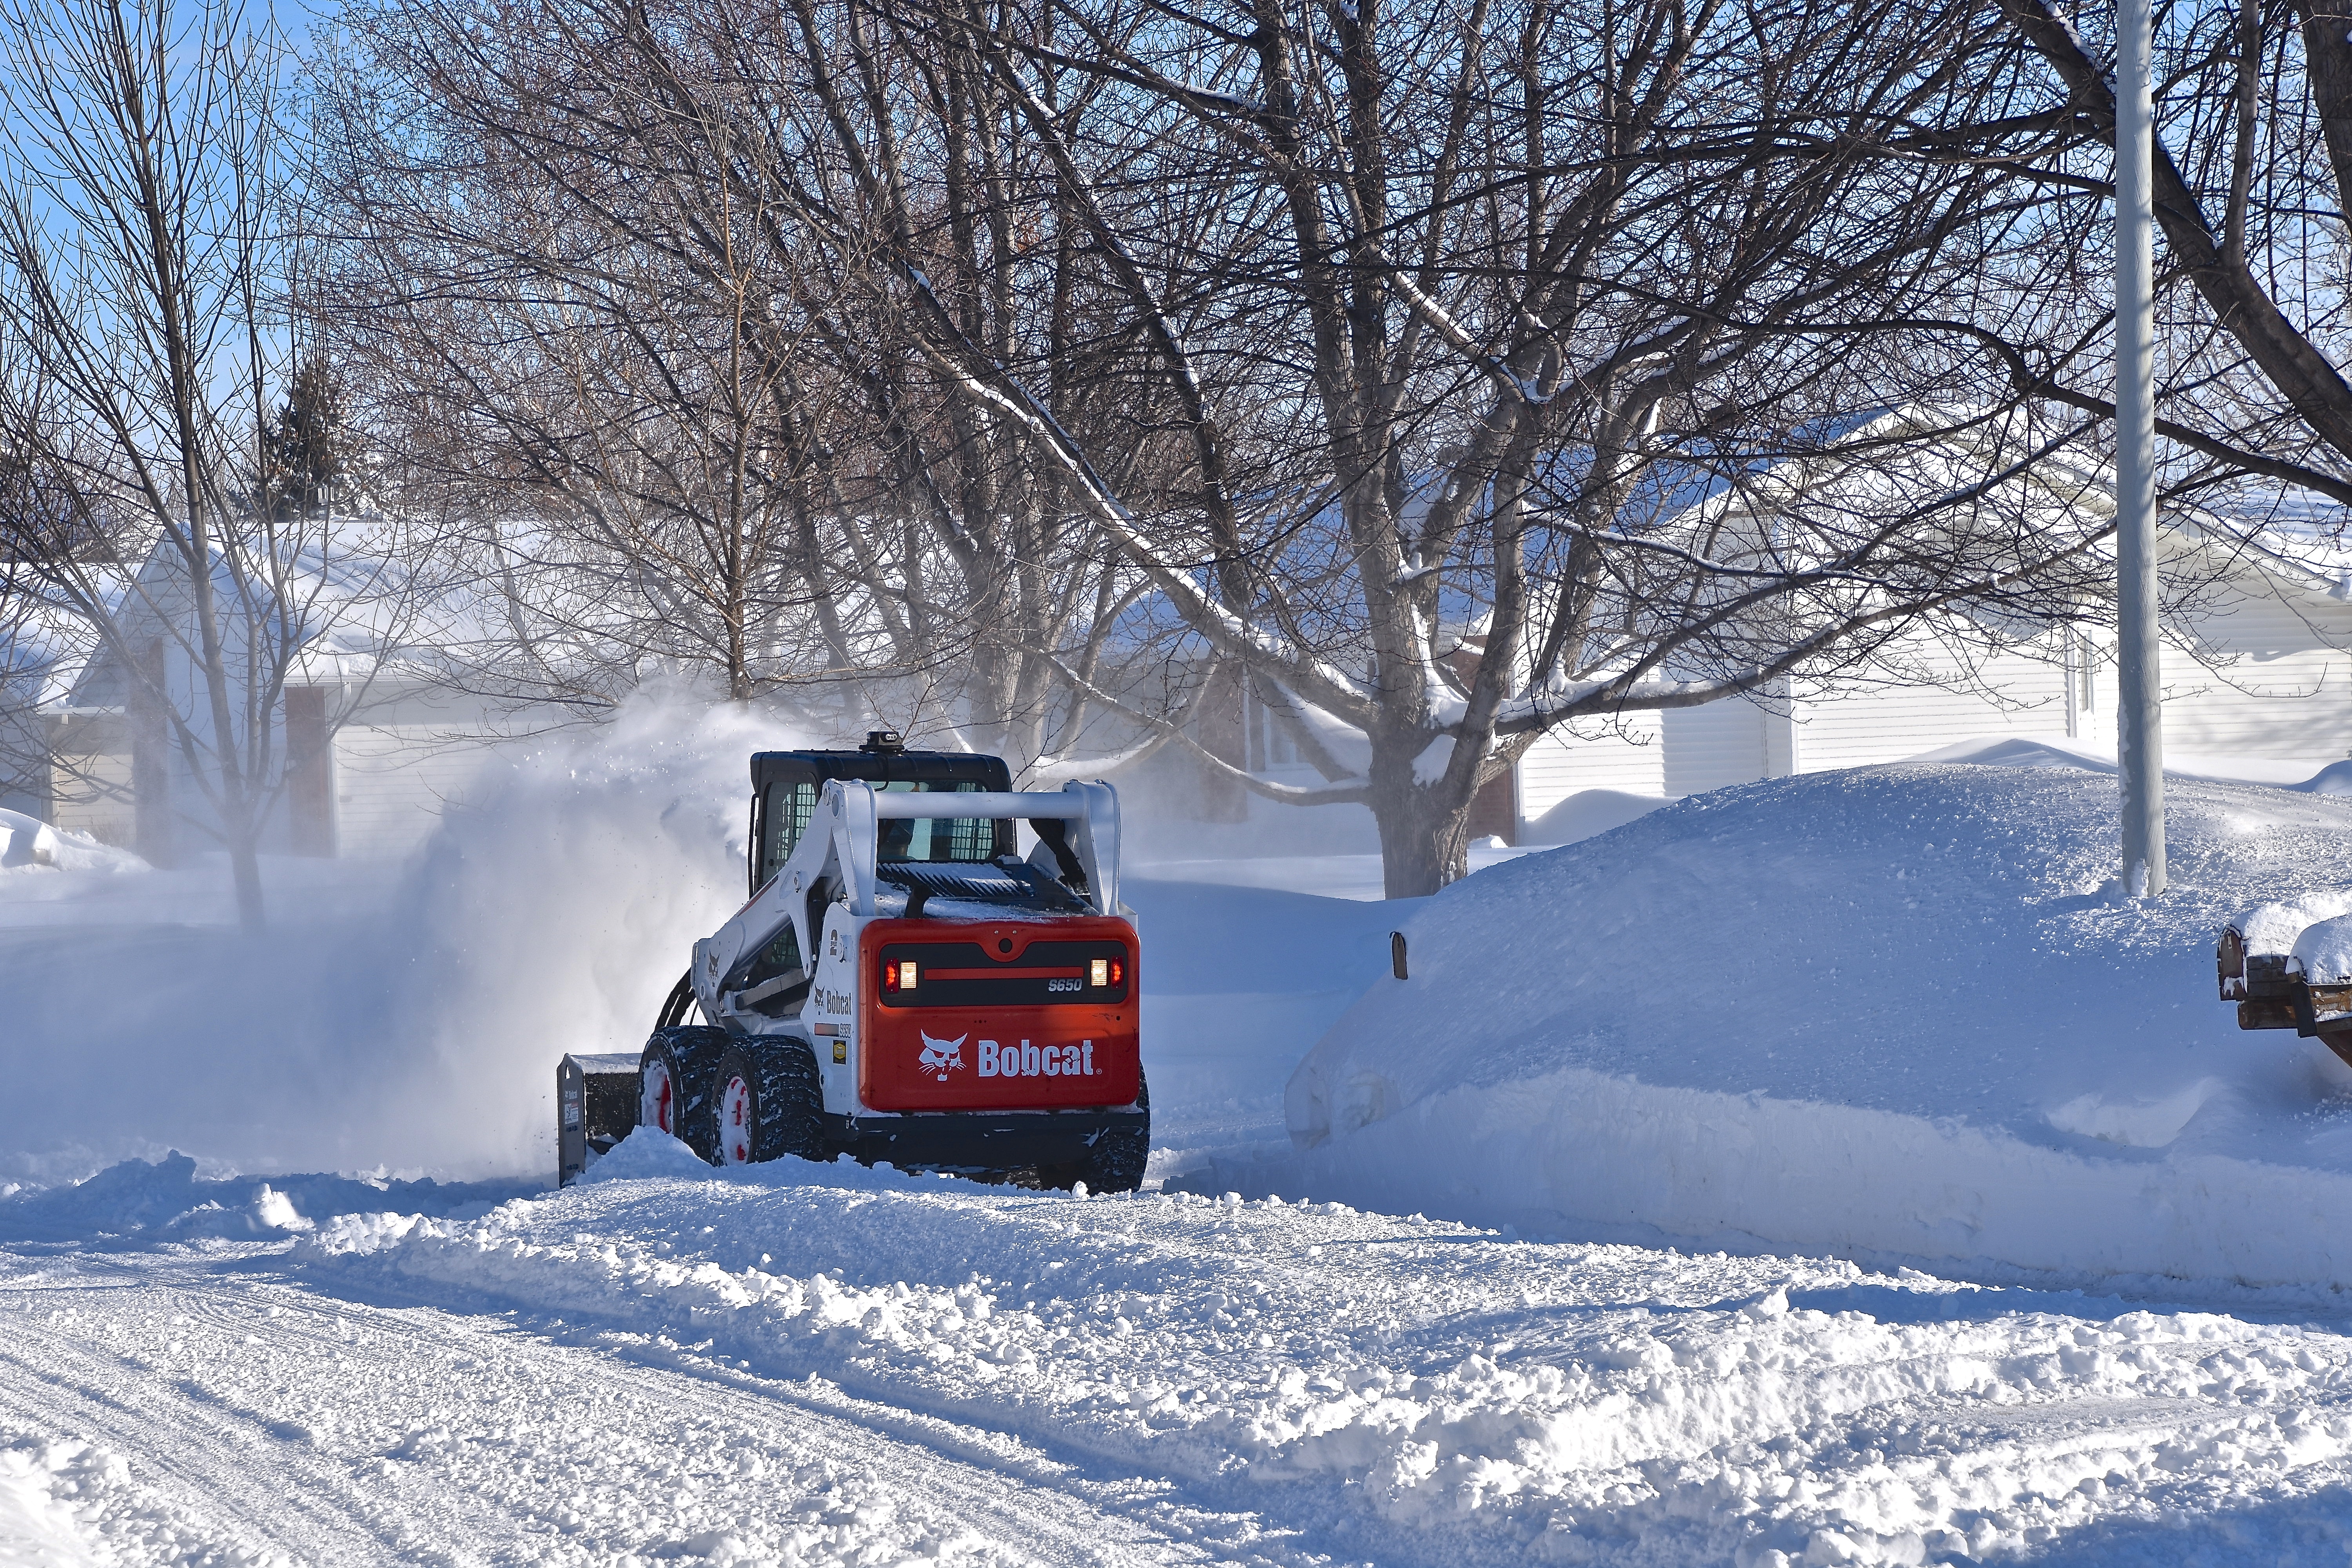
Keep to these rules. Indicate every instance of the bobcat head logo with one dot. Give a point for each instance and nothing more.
(942, 1056)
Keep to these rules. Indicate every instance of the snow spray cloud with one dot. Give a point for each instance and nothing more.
(550, 912)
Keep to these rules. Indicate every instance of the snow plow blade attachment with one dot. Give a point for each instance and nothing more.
(2272, 993)
(595, 1108)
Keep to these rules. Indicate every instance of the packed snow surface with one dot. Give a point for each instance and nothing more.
(805, 1364)
(1899, 1012)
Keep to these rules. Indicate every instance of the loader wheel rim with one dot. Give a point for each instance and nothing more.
(735, 1122)
(660, 1099)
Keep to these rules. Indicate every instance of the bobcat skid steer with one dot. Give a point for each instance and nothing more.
(903, 984)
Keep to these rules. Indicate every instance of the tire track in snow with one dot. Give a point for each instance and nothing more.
(193, 1456)
(332, 1432)
(1062, 1517)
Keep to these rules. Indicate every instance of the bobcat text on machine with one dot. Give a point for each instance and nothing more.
(903, 984)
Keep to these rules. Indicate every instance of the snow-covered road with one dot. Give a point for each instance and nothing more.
(239, 1417)
(841, 1366)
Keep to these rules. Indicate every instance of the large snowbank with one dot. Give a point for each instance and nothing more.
(1899, 1011)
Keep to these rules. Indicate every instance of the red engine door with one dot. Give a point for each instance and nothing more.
(997, 1015)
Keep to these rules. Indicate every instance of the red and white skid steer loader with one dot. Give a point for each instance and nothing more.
(903, 984)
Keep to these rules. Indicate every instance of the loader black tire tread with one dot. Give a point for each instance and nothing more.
(1115, 1162)
(783, 1110)
(690, 1055)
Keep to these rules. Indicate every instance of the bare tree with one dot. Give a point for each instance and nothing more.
(582, 271)
(1442, 377)
(1444, 321)
(146, 518)
(2253, 181)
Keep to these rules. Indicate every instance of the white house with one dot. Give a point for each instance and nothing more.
(369, 739)
(2261, 668)
(2258, 664)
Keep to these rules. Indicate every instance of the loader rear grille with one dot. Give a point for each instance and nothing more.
(1019, 885)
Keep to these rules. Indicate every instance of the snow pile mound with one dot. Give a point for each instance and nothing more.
(1426, 1393)
(1898, 1012)
(138, 1202)
(27, 843)
(2336, 778)
(66, 1503)
(2276, 927)
(38, 1481)
(2322, 953)
(2016, 753)
(1589, 812)
(649, 1151)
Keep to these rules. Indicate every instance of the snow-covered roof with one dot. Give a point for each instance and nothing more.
(355, 604)
(2307, 544)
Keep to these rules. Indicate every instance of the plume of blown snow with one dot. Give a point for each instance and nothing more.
(401, 1023)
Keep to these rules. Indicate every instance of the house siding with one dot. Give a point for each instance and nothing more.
(1560, 765)
(1711, 746)
(2287, 691)
(89, 778)
(2275, 681)
(1884, 724)
(392, 782)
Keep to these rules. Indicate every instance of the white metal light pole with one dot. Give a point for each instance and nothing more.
(2139, 717)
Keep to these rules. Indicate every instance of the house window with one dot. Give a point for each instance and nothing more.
(1270, 746)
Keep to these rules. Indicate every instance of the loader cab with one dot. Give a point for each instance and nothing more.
(785, 786)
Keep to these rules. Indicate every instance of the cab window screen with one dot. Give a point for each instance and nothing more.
(790, 806)
(952, 840)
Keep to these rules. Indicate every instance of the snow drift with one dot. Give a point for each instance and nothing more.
(1898, 1012)
(28, 844)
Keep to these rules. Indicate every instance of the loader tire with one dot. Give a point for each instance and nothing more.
(676, 1079)
(768, 1103)
(1115, 1163)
